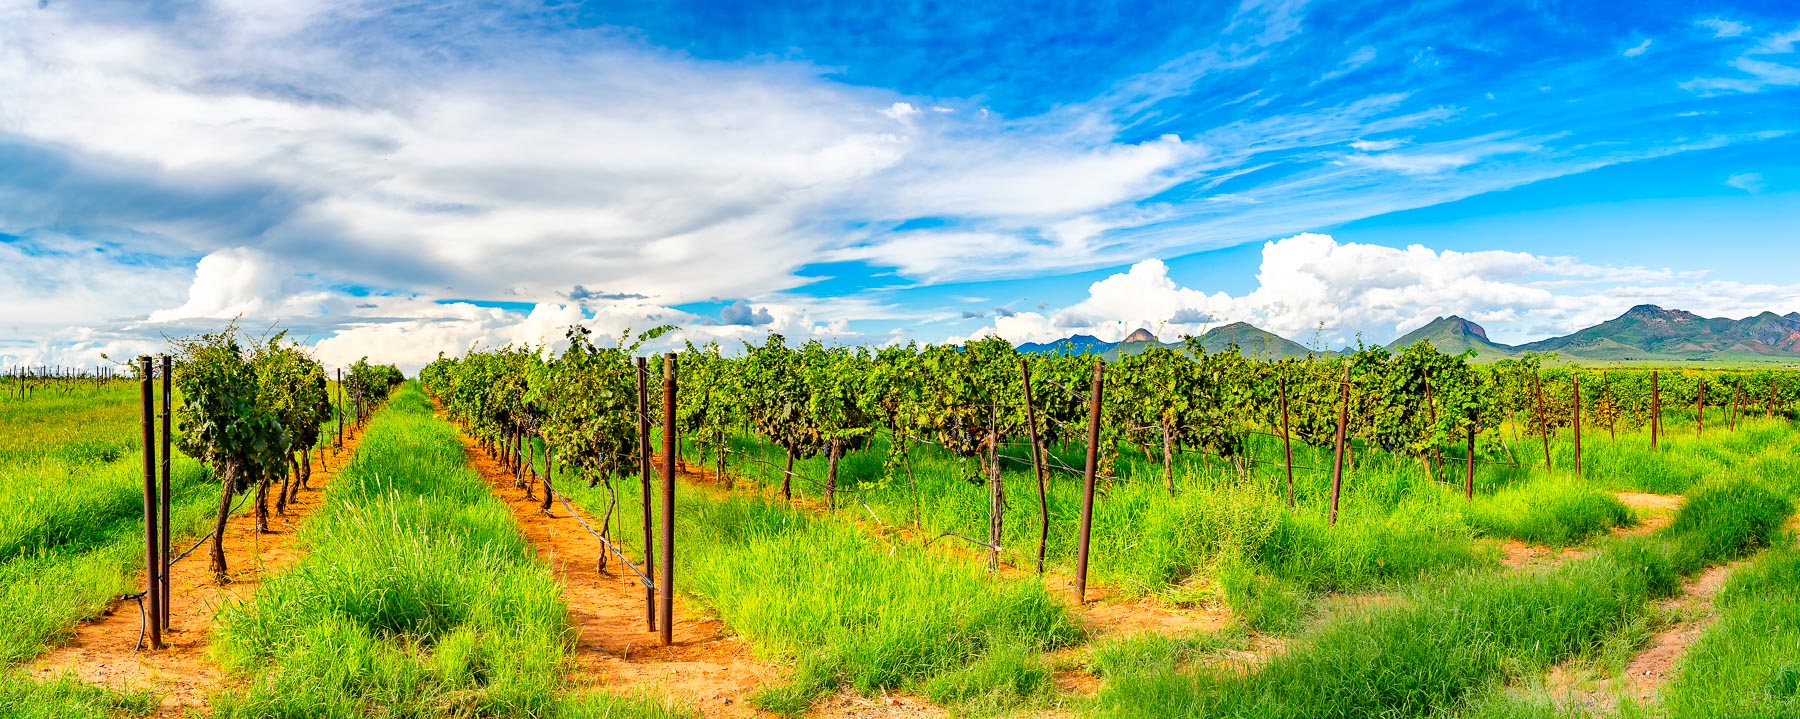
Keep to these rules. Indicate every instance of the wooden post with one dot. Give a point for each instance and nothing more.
(168, 411)
(1437, 450)
(1737, 404)
(1469, 467)
(1037, 464)
(549, 486)
(1655, 410)
(1287, 445)
(1087, 491)
(1700, 416)
(152, 540)
(643, 403)
(1337, 461)
(668, 501)
(1537, 385)
(1577, 378)
(340, 407)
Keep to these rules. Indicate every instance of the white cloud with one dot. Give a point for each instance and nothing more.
(1638, 49)
(234, 282)
(1312, 280)
(1363, 56)
(1750, 182)
(1765, 65)
(1377, 145)
(1722, 28)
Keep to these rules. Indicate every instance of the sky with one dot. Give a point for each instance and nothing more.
(400, 179)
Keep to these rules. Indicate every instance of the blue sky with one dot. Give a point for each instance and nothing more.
(395, 180)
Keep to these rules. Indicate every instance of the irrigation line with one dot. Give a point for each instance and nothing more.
(551, 488)
(143, 621)
(190, 550)
(854, 493)
(965, 538)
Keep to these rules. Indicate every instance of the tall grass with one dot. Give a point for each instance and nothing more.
(1453, 636)
(1229, 533)
(1748, 663)
(66, 697)
(71, 507)
(849, 610)
(418, 598)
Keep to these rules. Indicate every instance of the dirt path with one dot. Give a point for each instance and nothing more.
(1690, 612)
(1657, 511)
(104, 650)
(706, 668)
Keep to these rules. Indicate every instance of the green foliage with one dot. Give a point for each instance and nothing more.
(223, 416)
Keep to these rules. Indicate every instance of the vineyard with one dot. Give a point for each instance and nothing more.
(775, 530)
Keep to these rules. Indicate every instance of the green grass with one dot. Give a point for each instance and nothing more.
(1556, 512)
(418, 597)
(1450, 638)
(846, 609)
(1748, 663)
(71, 508)
(66, 697)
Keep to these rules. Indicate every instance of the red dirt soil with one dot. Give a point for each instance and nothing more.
(104, 650)
(706, 668)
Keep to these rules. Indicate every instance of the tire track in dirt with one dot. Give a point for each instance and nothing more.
(706, 668)
(104, 650)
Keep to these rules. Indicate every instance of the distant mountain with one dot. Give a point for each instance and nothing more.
(1252, 341)
(1644, 333)
(1648, 332)
(1454, 335)
(1076, 344)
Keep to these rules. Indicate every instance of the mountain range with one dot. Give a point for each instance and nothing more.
(1645, 333)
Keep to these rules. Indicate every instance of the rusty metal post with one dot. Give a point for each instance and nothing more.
(1700, 415)
(1337, 460)
(168, 412)
(1577, 377)
(152, 541)
(1087, 491)
(1037, 464)
(1737, 404)
(1655, 410)
(643, 404)
(549, 487)
(668, 501)
(1287, 445)
(1469, 467)
(1537, 388)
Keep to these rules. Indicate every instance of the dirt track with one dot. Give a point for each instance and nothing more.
(104, 650)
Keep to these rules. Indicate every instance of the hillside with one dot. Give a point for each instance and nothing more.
(1644, 334)
(1454, 335)
(1648, 332)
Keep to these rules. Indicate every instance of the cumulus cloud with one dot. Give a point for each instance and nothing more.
(233, 282)
(743, 314)
(1353, 290)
